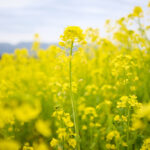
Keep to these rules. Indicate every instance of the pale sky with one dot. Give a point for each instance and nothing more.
(20, 19)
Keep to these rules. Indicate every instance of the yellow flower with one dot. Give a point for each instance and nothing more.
(41, 146)
(132, 88)
(124, 118)
(113, 134)
(84, 127)
(98, 125)
(113, 146)
(117, 118)
(110, 146)
(67, 121)
(146, 144)
(72, 142)
(9, 145)
(27, 147)
(137, 11)
(61, 133)
(36, 43)
(54, 142)
(72, 34)
(126, 101)
(36, 35)
(108, 102)
(27, 112)
(43, 128)
(138, 124)
(61, 44)
(148, 4)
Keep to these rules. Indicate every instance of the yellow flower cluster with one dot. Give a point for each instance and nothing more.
(72, 34)
(146, 144)
(9, 145)
(126, 101)
(43, 127)
(64, 131)
(142, 118)
(122, 118)
(112, 139)
(113, 134)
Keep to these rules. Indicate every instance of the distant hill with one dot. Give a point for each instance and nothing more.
(9, 48)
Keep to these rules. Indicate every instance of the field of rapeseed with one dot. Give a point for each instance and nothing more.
(91, 93)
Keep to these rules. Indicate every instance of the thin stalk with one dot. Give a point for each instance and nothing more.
(128, 124)
(71, 98)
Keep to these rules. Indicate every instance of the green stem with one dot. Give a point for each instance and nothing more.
(128, 124)
(71, 98)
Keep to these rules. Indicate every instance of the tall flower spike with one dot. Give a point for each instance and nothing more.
(72, 35)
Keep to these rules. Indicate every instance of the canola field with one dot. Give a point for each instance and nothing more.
(89, 93)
